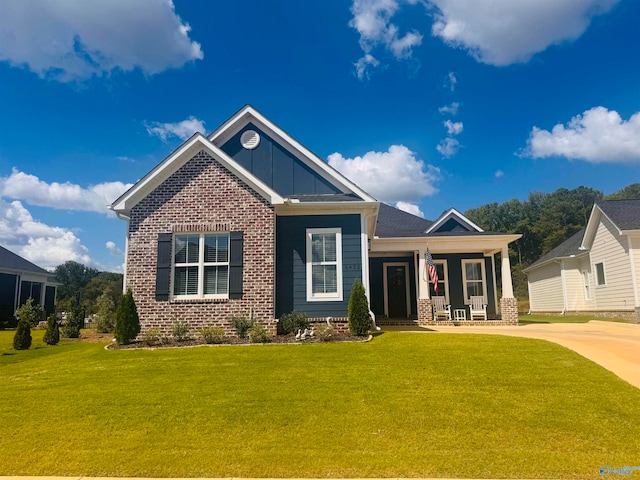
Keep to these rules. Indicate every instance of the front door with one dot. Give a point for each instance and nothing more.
(396, 292)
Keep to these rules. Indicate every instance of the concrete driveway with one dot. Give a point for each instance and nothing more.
(615, 346)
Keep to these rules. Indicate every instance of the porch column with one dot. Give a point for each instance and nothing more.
(425, 312)
(508, 304)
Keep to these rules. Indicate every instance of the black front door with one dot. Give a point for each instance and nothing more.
(397, 291)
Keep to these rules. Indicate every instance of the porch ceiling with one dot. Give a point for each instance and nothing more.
(486, 244)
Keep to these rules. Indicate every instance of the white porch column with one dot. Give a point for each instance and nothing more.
(423, 280)
(507, 286)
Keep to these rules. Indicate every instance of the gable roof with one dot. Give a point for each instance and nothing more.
(393, 222)
(14, 262)
(571, 247)
(453, 214)
(625, 214)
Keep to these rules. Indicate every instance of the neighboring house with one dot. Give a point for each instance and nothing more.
(21, 279)
(247, 221)
(597, 270)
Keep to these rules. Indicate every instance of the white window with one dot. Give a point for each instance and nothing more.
(473, 280)
(443, 281)
(600, 277)
(201, 265)
(324, 264)
(587, 286)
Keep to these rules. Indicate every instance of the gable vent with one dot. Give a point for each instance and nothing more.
(250, 139)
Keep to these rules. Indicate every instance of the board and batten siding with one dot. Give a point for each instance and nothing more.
(612, 249)
(545, 289)
(291, 269)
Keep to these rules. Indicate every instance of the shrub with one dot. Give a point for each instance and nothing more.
(213, 334)
(258, 334)
(71, 328)
(30, 312)
(22, 337)
(292, 322)
(325, 332)
(153, 336)
(52, 335)
(242, 325)
(359, 318)
(127, 321)
(105, 317)
(180, 330)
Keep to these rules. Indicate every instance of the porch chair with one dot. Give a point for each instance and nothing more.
(441, 308)
(478, 308)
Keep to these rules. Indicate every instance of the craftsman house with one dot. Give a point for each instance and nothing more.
(247, 221)
(596, 271)
(19, 280)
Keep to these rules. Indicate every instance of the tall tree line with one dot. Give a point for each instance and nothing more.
(545, 220)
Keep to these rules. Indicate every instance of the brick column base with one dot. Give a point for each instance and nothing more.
(425, 312)
(509, 310)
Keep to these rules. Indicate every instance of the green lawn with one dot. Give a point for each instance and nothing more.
(565, 319)
(403, 405)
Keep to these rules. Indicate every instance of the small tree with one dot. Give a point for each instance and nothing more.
(22, 338)
(73, 323)
(30, 312)
(359, 318)
(106, 315)
(127, 321)
(52, 335)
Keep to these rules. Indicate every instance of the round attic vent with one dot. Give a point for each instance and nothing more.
(250, 139)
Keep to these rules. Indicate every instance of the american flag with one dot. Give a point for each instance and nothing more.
(433, 273)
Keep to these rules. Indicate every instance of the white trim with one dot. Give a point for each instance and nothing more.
(604, 274)
(385, 284)
(586, 285)
(452, 212)
(495, 283)
(324, 297)
(364, 248)
(463, 262)
(634, 279)
(444, 280)
(563, 282)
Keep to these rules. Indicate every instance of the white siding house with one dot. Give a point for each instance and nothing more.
(597, 270)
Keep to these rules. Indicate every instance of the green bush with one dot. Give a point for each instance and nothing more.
(153, 336)
(292, 322)
(106, 314)
(73, 323)
(359, 317)
(52, 335)
(213, 334)
(180, 330)
(30, 312)
(22, 338)
(242, 325)
(258, 334)
(325, 332)
(127, 321)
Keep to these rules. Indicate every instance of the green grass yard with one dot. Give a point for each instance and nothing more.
(403, 405)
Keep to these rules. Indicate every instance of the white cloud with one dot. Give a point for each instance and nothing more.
(411, 208)
(73, 40)
(182, 130)
(372, 20)
(364, 65)
(392, 176)
(39, 243)
(451, 82)
(502, 32)
(448, 147)
(598, 136)
(453, 128)
(450, 109)
(499, 174)
(64, 196)
(114, 250)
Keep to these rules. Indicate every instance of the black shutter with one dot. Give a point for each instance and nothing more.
(163, 268)
(236, 241)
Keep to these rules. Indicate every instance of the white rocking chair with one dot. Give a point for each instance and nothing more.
(441, 308)
(478, 308)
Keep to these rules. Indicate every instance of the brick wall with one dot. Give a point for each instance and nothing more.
(425, 312)
(509, 311)
(203, 196)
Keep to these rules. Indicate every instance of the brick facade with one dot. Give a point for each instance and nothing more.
(509, 311)
(203, 196)
(425, 312)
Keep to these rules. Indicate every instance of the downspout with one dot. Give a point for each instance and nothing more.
(564, 287)
(634, 279)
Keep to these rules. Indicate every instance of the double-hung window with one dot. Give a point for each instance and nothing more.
(601, 279)
(201, 265)
(473, 280)
(324, 264)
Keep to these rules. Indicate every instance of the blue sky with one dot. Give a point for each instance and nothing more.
(430, 103)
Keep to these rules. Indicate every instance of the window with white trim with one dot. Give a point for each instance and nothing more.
(601, 280)
(443, 280)
(587, 286)
(201, 265)
(324, 264)
(473, 280)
